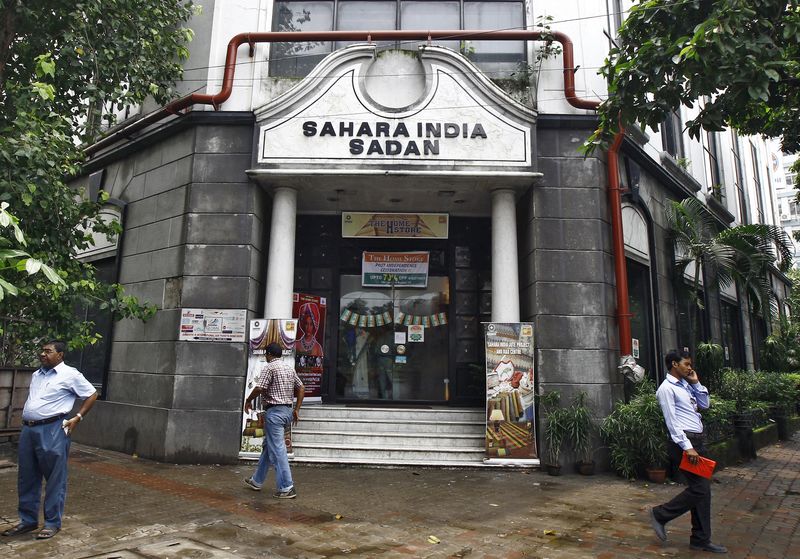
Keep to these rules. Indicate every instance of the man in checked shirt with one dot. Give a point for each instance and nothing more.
(276, 385)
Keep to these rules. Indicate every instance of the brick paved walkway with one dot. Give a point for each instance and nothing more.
(126, 508)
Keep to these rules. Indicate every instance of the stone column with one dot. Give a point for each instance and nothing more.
(505, 260)
(280, 267)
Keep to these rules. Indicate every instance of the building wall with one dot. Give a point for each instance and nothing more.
(194, 238)
(567, 283)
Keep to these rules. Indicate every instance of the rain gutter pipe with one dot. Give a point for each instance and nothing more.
(251, 39)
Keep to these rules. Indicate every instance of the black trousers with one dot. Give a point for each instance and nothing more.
(696, 498)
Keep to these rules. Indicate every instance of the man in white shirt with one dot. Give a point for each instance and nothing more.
(680, 396)
(45, 438)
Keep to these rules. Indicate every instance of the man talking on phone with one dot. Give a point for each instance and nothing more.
(680, 396)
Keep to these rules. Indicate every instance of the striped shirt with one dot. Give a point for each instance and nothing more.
(278, 380)
(679, 401)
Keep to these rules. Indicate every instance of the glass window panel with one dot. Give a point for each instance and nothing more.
(420, 15)
(298, 59)
(357, 15)
(496, 58)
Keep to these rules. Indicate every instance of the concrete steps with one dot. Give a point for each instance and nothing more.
(389, 436)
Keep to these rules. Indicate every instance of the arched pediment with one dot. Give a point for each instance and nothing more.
(425, 110)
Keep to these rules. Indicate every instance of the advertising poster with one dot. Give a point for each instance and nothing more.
(311, 312)
(212, 325)
(401, 269)
(509, 392)
(262, 333)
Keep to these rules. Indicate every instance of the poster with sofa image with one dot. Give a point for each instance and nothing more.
(510, 392)
(262, 333)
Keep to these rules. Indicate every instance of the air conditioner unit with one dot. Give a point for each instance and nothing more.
(784, 216)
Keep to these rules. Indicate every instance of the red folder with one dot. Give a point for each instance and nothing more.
(704, 467)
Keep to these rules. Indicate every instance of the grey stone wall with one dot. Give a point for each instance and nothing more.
(194, 234)
(567, 274)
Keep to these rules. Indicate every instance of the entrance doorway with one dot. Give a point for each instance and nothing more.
(383, 354)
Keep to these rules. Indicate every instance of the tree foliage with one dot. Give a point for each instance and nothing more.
(65, 67)
(737, 61)
(740, 255)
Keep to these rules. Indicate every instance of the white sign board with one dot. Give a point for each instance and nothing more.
(212, 325)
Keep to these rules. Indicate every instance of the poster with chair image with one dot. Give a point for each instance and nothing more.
(510, 392)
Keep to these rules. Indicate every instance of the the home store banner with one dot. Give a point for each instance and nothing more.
(400, 269)
(262, 333)
(395, 225)
(509, 391)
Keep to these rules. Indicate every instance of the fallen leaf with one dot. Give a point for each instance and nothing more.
(338, 516)
(550, 532)
(433, 539)
(493, 505)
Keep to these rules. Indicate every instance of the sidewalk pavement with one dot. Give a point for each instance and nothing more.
(127, 508)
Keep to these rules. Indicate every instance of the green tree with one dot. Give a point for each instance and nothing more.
(742, 255)
(736, 61)
(65, 67)
(14, 260)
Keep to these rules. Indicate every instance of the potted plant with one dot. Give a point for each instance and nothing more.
(580, 427)
(555, 430)
(636, 434)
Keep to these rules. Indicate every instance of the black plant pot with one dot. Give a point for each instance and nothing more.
(553, 469)
(780, 415)
(585, 468)
(743, 429)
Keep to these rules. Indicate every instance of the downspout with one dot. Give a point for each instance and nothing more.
(568, 62)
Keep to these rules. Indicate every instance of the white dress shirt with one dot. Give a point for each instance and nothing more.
(679, 401)
(54, 391)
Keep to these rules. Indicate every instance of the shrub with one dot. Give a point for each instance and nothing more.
(635, 432)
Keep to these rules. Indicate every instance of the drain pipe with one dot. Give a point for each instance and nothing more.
(568, 63)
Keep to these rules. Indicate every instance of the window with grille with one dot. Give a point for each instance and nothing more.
(495, 58)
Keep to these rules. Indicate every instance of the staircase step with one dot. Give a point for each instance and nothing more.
(397, 453)
(358, 424)
(427, 414)
(378, 438)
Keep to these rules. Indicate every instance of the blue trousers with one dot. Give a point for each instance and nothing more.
(273, 452)
(43, 452)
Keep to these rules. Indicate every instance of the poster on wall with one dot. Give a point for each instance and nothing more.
(400, 269)
(262, 333)
(212, 325)
(311, 312)
(510, 392)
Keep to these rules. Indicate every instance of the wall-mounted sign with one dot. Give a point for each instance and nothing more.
(635, 348)
(395, 225)
(454, 121)
(406, 269)
(212, 325)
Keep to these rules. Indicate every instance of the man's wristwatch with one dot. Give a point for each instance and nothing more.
(79, 416)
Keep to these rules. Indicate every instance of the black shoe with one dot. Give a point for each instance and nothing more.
(658, 527)
(288, 494)
(710, 547)
(20, 529)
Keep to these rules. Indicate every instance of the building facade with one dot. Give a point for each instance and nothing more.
(238, 205)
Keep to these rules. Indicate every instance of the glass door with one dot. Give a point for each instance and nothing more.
(393, 342)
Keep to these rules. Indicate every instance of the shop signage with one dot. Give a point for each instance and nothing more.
(400, 269)
(262, 333)
(395, 225)
(416, 333)
(509, 392)
(212, 325)
(457, 121)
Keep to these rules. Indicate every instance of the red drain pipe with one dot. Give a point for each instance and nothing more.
(216, 99)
